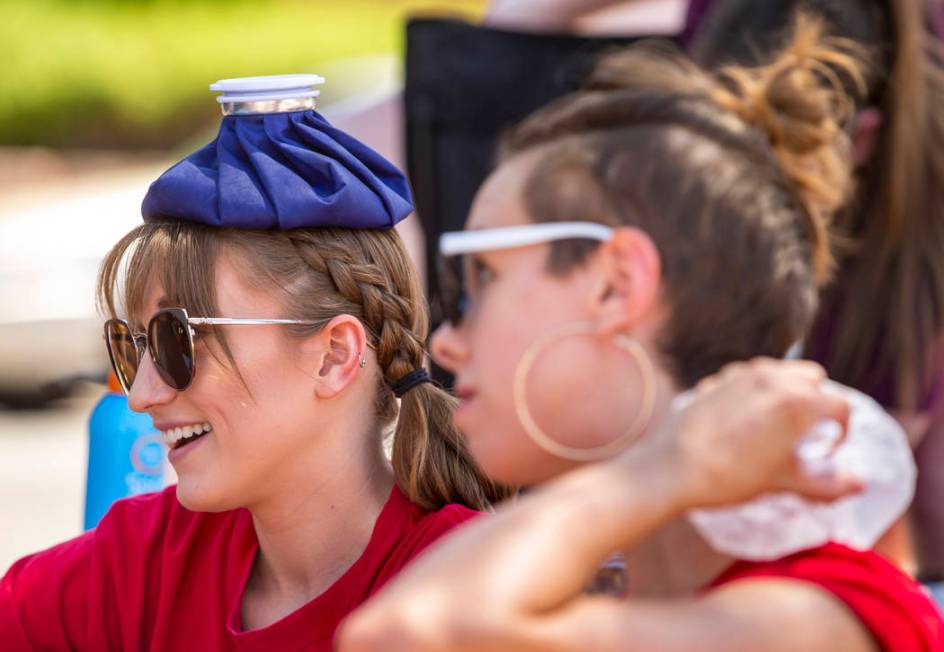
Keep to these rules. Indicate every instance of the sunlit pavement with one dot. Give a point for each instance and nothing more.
(48, 285)
(42, 475)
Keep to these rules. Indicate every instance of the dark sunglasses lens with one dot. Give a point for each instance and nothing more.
(452, 296)
(122, 352)
(171, 348)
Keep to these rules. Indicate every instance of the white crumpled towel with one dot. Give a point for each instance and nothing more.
(772, 526)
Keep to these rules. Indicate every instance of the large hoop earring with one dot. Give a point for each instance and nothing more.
(542, 439)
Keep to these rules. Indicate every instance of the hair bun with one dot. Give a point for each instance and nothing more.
(802, 100)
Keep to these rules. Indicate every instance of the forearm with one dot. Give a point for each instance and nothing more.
(526, 560)
(770, 615)
(590, 514)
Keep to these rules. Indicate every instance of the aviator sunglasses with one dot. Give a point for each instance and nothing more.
(169, 340)
(455, 265)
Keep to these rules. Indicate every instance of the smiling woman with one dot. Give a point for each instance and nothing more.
(267, 317)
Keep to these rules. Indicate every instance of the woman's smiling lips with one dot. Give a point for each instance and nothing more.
(182, 434)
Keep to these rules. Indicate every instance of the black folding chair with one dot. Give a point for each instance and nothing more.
(465, 85)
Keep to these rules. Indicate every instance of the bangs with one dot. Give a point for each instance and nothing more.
(178, 257)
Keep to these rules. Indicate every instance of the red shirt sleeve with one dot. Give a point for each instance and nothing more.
(78, 595)
(437, 524)
(425, 531)
(44, 598)
(892, 606)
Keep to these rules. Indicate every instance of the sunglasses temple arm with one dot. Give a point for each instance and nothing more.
(227, 321)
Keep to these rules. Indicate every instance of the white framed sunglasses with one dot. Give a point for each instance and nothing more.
(455, 245)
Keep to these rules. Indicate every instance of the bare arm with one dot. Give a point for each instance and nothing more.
(533, 602)
(769, 615)
(515, 580)
(481, 589)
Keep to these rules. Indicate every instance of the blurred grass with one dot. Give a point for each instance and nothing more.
(99, 73)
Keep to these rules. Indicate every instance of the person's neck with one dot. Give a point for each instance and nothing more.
(674, 561)
(311, 532)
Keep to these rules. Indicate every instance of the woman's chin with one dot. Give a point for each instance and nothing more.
(504, 466)
(197, 499)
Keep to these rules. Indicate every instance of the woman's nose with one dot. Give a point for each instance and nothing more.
(148, 389)
(448, 348)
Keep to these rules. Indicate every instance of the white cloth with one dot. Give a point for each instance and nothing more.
(772, 526)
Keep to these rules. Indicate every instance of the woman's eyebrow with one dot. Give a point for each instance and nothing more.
(138, 325)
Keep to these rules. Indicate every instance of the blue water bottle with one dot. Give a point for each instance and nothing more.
(127, 456)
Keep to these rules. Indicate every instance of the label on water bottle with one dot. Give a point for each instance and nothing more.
(147, 454)
(147, 458)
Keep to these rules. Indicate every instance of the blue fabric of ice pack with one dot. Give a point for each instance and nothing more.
(281, 171)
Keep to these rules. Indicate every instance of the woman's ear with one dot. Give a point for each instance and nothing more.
(633, 277)
(341, 346)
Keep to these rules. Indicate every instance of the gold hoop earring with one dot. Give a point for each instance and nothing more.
(542, 439)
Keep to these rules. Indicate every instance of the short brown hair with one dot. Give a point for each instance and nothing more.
(734, 176)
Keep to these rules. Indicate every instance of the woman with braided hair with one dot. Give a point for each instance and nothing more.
(267, 316)
(636, 237)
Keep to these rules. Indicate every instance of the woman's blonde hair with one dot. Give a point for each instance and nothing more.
(317, 274)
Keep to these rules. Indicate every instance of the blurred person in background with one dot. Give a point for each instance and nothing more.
(881, 324)
(273, 327)
(880, 327)
(718, 191)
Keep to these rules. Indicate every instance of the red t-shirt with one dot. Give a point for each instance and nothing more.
(156, 576)
(890, 604)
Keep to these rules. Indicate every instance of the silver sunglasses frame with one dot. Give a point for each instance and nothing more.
(140, 338)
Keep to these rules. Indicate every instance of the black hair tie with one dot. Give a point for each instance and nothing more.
(409, 381)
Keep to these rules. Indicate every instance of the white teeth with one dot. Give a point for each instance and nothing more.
(173, 435)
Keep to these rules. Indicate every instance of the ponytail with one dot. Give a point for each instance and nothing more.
(370, 272)
(430, 460)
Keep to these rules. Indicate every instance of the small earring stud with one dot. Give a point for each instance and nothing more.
(363, 362)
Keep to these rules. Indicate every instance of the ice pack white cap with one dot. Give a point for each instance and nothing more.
(875, 450)
(268, 94)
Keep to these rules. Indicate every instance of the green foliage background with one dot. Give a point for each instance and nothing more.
(134, 73)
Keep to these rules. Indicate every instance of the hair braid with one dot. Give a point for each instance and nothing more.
(430, 458)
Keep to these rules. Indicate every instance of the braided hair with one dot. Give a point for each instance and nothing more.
(318, 274)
